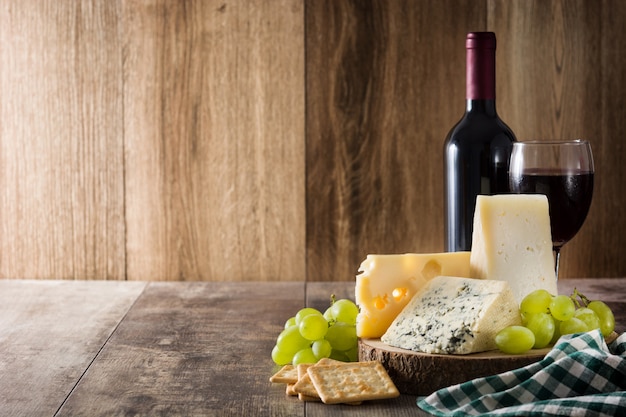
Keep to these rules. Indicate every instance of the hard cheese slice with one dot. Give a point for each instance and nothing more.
(512, 241)
(387, 283)
(454, 316)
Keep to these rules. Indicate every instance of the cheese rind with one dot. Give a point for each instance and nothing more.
(453, 315)
(512, 241)
(386, 283)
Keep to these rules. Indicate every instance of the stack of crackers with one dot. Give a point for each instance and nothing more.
(335, 382)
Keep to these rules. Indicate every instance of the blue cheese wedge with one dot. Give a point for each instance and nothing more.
(453, 315)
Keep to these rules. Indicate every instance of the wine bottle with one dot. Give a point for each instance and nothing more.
(477, 149)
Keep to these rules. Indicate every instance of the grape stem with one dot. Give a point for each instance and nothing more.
(578, 295)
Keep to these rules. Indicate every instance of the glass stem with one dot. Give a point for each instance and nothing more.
(557, 257)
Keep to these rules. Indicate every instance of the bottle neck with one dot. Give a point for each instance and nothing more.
(481, 66)
(485, 106)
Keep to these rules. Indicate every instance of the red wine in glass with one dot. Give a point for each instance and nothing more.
(569, 194)
(564, 172)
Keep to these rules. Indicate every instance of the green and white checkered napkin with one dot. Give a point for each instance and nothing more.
(580, 376)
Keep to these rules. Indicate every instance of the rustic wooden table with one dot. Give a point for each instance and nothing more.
(105, 348)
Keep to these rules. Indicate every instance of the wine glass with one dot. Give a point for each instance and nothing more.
(561, 170)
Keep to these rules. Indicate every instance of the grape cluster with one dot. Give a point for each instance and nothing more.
(310, 335)
(545, 318)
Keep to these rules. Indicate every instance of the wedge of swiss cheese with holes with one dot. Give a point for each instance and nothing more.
(387, 283)
(512, 242)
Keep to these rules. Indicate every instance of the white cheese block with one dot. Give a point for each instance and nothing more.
(454, 315)
(512, 241)
(386, 283)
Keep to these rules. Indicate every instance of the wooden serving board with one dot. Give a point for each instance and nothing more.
(416, 373)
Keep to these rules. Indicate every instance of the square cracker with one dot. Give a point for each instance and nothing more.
(306, 398)
(353, 381)
(288, 374)
(304, 387)
(329, 361)
(289, 390)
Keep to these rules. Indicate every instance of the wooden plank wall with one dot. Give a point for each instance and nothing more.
(385, 82)
(278, 140)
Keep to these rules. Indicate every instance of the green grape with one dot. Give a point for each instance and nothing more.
(281, 358)
(321, 348)
(305, 312)
(304, 356)
(515, 339)
(341, 336)
(589, 317)
(306, 337)
(537, 301)
(290, 322)
(605, 315)
(562, 307)
(572, 326)
(328, 314)
(339, 356)
(542, 326)
(557, 331)
(353, 354)
(290, 340)
(313, 327)
(345, 311)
